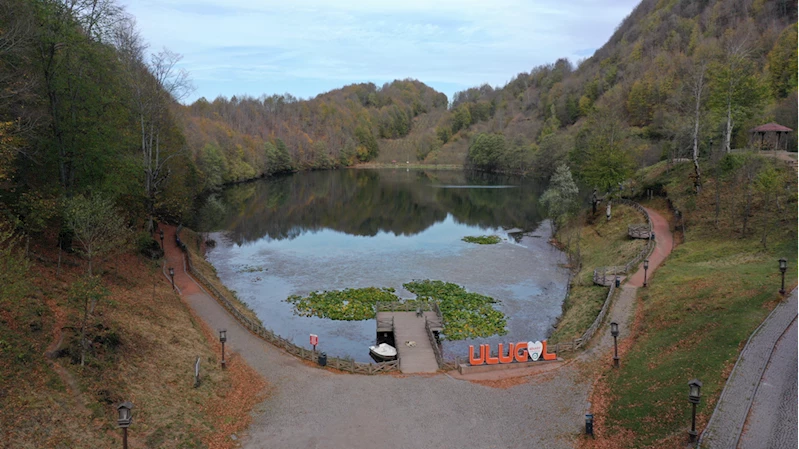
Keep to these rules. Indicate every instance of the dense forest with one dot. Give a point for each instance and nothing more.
(677, 79)
(86, 107)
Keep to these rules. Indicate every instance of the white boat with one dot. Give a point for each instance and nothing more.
(383, 352)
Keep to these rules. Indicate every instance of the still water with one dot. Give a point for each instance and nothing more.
(360, 228)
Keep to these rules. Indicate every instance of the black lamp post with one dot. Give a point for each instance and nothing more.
(589, 424)
(783, 268)
(614, 331)
(125, 417)
(172, 275)
(646, 267)
(694, 393)
(223, 339)
(161, 234)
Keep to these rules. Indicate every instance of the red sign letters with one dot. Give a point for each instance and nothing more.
(517, 352)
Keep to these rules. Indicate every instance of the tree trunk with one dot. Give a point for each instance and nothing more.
(58, 267)
(83, 331)
(728, 128)
(747, 207)
(699, 85)
(767, 220)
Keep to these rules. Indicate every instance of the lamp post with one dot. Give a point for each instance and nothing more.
(646, 267)
(125, 417)
(223, 339)
(614, 331)
(589, 424)
(783, 268)
(161, 234)
(694, 393)
(172, 275)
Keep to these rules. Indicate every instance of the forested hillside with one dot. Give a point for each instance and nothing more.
(85, 108)
(243, 138)
(673, 73)
(675, 77)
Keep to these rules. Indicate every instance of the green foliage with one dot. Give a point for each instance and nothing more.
(560, 199)
(466, 315)
(483, 239)
(782, 63)
(367, 150)
(551, 126)
(486, 150)
(351, 304)
(461, 118)
(444, 133)
(13, 265)
(96, 225)
(605, 161)
(213, 166)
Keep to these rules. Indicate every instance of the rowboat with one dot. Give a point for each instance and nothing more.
(383, 352)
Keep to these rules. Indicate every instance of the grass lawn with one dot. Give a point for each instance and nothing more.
(602, 243)
(694, 318)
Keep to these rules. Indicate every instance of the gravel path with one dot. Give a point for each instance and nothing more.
(308, 407)
(772, 420)
(623, 308)
(727, 421)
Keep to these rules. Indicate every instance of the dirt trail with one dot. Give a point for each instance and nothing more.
(67, 378)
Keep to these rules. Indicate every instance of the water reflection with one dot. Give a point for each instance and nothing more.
(367, 202)
(362, 228)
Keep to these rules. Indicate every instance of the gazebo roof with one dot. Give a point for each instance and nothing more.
(770, 127)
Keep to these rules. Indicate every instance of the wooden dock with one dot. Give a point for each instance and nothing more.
(414, 349)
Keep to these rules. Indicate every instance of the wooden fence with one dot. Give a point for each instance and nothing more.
(266, 334)
(434, 344)
(601, 273)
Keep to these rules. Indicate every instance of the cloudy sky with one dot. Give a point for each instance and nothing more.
(306, 47)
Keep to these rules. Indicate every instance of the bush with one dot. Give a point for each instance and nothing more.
(148, 246)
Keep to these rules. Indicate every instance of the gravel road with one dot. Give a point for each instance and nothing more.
(773, 418)
(308, 407)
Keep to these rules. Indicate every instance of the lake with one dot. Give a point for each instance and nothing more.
(356, 228)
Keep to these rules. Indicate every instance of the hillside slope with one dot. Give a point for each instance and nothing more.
(640, 89)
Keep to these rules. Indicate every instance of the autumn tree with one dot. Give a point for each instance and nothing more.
(602, 153)
(486, 151)
(560, 198)
(87, 292)
(735, 90)
(96, 225)
(154, 84)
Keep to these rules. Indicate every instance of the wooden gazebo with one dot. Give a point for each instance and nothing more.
(771, 136)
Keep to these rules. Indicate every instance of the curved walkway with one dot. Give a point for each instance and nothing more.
(309, 407)
(623, 308)
(746, 382)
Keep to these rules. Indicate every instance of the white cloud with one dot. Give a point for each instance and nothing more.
(271, 46)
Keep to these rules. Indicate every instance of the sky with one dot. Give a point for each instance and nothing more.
(307, 47)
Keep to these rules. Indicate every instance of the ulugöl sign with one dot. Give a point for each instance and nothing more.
(521, 352)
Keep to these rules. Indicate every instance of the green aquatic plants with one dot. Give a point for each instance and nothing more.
(483, 239)
(466, 315)
(350, 304)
